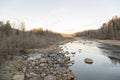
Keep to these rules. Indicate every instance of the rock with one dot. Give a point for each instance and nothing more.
(70, 76)
(79, 50)
(42, 64)
(18, 77)
(43, 74)
(33, 74)
(51, 66)
(18, 58)
(28, 75)
(42, 60)
(88, 61)
(73, 52)
(33, 63)
(23, 51)
(67, 58)
(67, 52)
(54, 72)
(24, 69)
(17, 65)
(70, 63)
(50, 77)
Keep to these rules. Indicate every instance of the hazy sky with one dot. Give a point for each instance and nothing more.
(65, 16)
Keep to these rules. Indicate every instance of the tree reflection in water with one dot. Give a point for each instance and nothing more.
(114, 60)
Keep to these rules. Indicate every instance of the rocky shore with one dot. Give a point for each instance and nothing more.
(49, 64)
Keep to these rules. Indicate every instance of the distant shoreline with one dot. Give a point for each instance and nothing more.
(110, 42)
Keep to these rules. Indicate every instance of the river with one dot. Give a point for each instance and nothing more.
(106, 60)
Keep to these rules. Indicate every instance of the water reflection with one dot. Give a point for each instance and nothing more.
(112, 52)
(104, 60)
(114, 60)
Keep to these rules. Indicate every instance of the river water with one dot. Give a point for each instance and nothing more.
(106, 60)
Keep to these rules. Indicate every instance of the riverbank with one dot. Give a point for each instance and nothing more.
(110, 42)
(50, 65)
(54, 47)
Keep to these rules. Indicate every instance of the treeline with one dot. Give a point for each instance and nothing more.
(110, 30)
(12, 40)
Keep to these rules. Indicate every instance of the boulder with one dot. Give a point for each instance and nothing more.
(70, 76)
(70, 63)
(88, 61)
(18, 77)
(50, 77)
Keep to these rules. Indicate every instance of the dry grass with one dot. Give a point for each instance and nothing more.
(11, 44)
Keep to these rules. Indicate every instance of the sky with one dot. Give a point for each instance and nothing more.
(64, 16)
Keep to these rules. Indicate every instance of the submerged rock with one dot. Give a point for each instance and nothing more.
(73, 52)
(88, 61)
(79, 50)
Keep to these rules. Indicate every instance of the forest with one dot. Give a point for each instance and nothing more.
(13, 40)
(109, 30)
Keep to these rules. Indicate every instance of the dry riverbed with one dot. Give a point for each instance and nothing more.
(51, 65)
